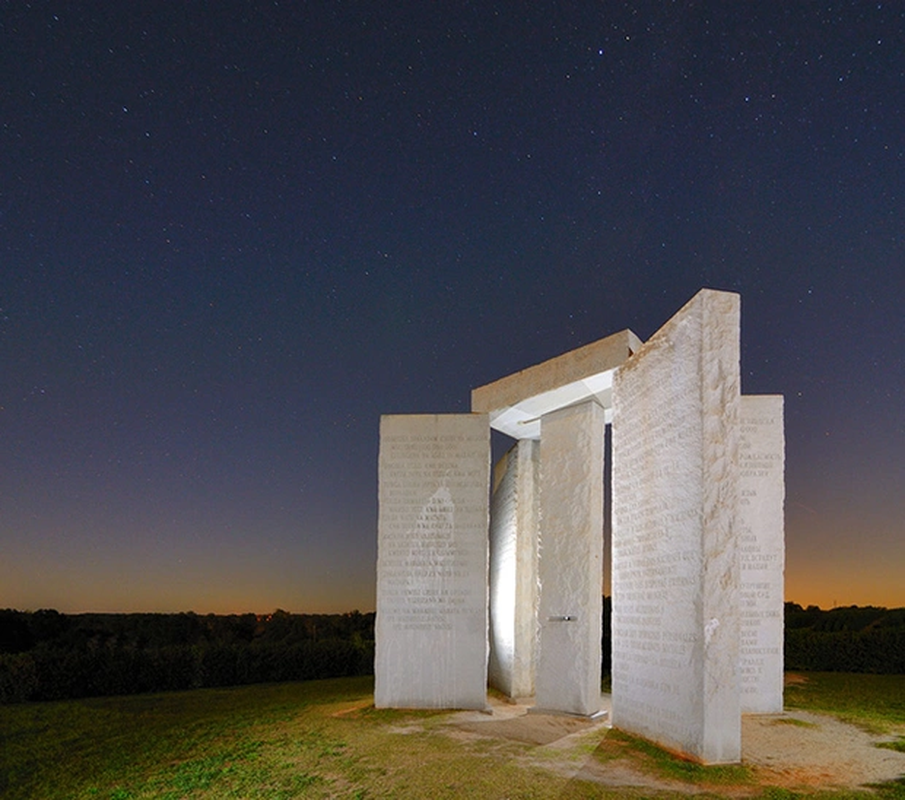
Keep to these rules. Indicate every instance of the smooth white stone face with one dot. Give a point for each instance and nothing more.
(431, 627)
(675, 577)
(513, 571)
(570, 565)
(761, 551)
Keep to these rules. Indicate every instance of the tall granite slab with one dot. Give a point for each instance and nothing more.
(513, 571)
(761, 552)
(675, 575)
(431, 626)
(570, 566)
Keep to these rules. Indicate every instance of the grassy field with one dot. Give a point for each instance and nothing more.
(325, 739)
(873, 702)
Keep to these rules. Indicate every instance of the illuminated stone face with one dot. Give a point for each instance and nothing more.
(517, 403)
(571, 563)
(697, 550)
(513, 571)
(675, 623)
(761, 552)
(431, 627)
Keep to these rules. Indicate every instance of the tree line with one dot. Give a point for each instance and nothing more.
(46, 655)
(848, 639)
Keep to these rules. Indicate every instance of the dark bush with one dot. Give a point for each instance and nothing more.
(15, 632)
(876, 650)
(18, 678)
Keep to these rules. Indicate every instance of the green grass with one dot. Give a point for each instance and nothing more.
(170, 745)
(664, 764)
(314, 739)
(873, 702)
(795, 723)
(324, 739)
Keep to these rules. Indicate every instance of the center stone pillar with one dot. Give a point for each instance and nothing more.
(513, 571)
(570, 563)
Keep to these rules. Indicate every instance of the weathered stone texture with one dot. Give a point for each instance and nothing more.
(571, 560)
(431, 628)
(761, 552)
(675, 624)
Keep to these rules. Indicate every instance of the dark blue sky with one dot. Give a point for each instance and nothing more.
(233, 234)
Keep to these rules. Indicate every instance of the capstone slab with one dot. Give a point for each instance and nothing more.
(761, 552)
(675, 620)
(432, 554)
(517, 402)
(570, 566)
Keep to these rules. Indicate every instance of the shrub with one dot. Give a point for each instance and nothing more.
(18, 678)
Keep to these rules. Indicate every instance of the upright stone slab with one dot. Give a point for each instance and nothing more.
(431, 627)
(513, 571)
(570, 565)
(675, 622)
(761, 552)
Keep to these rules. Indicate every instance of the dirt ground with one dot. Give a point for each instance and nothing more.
(795, 750)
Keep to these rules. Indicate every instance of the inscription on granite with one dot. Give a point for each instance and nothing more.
(761, 552)
(697, 562)
(431, 626)
(674, 566)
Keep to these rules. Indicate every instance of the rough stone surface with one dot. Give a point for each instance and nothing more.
(761, 552)
(431, 627)
(517, 402)
(513, 571)
(675, 623)
(570, 565)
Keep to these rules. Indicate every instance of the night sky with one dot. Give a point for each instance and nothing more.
(234, 234)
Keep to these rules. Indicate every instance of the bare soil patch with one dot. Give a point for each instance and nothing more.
(795, 750)
(820, 751)
(536, 729)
